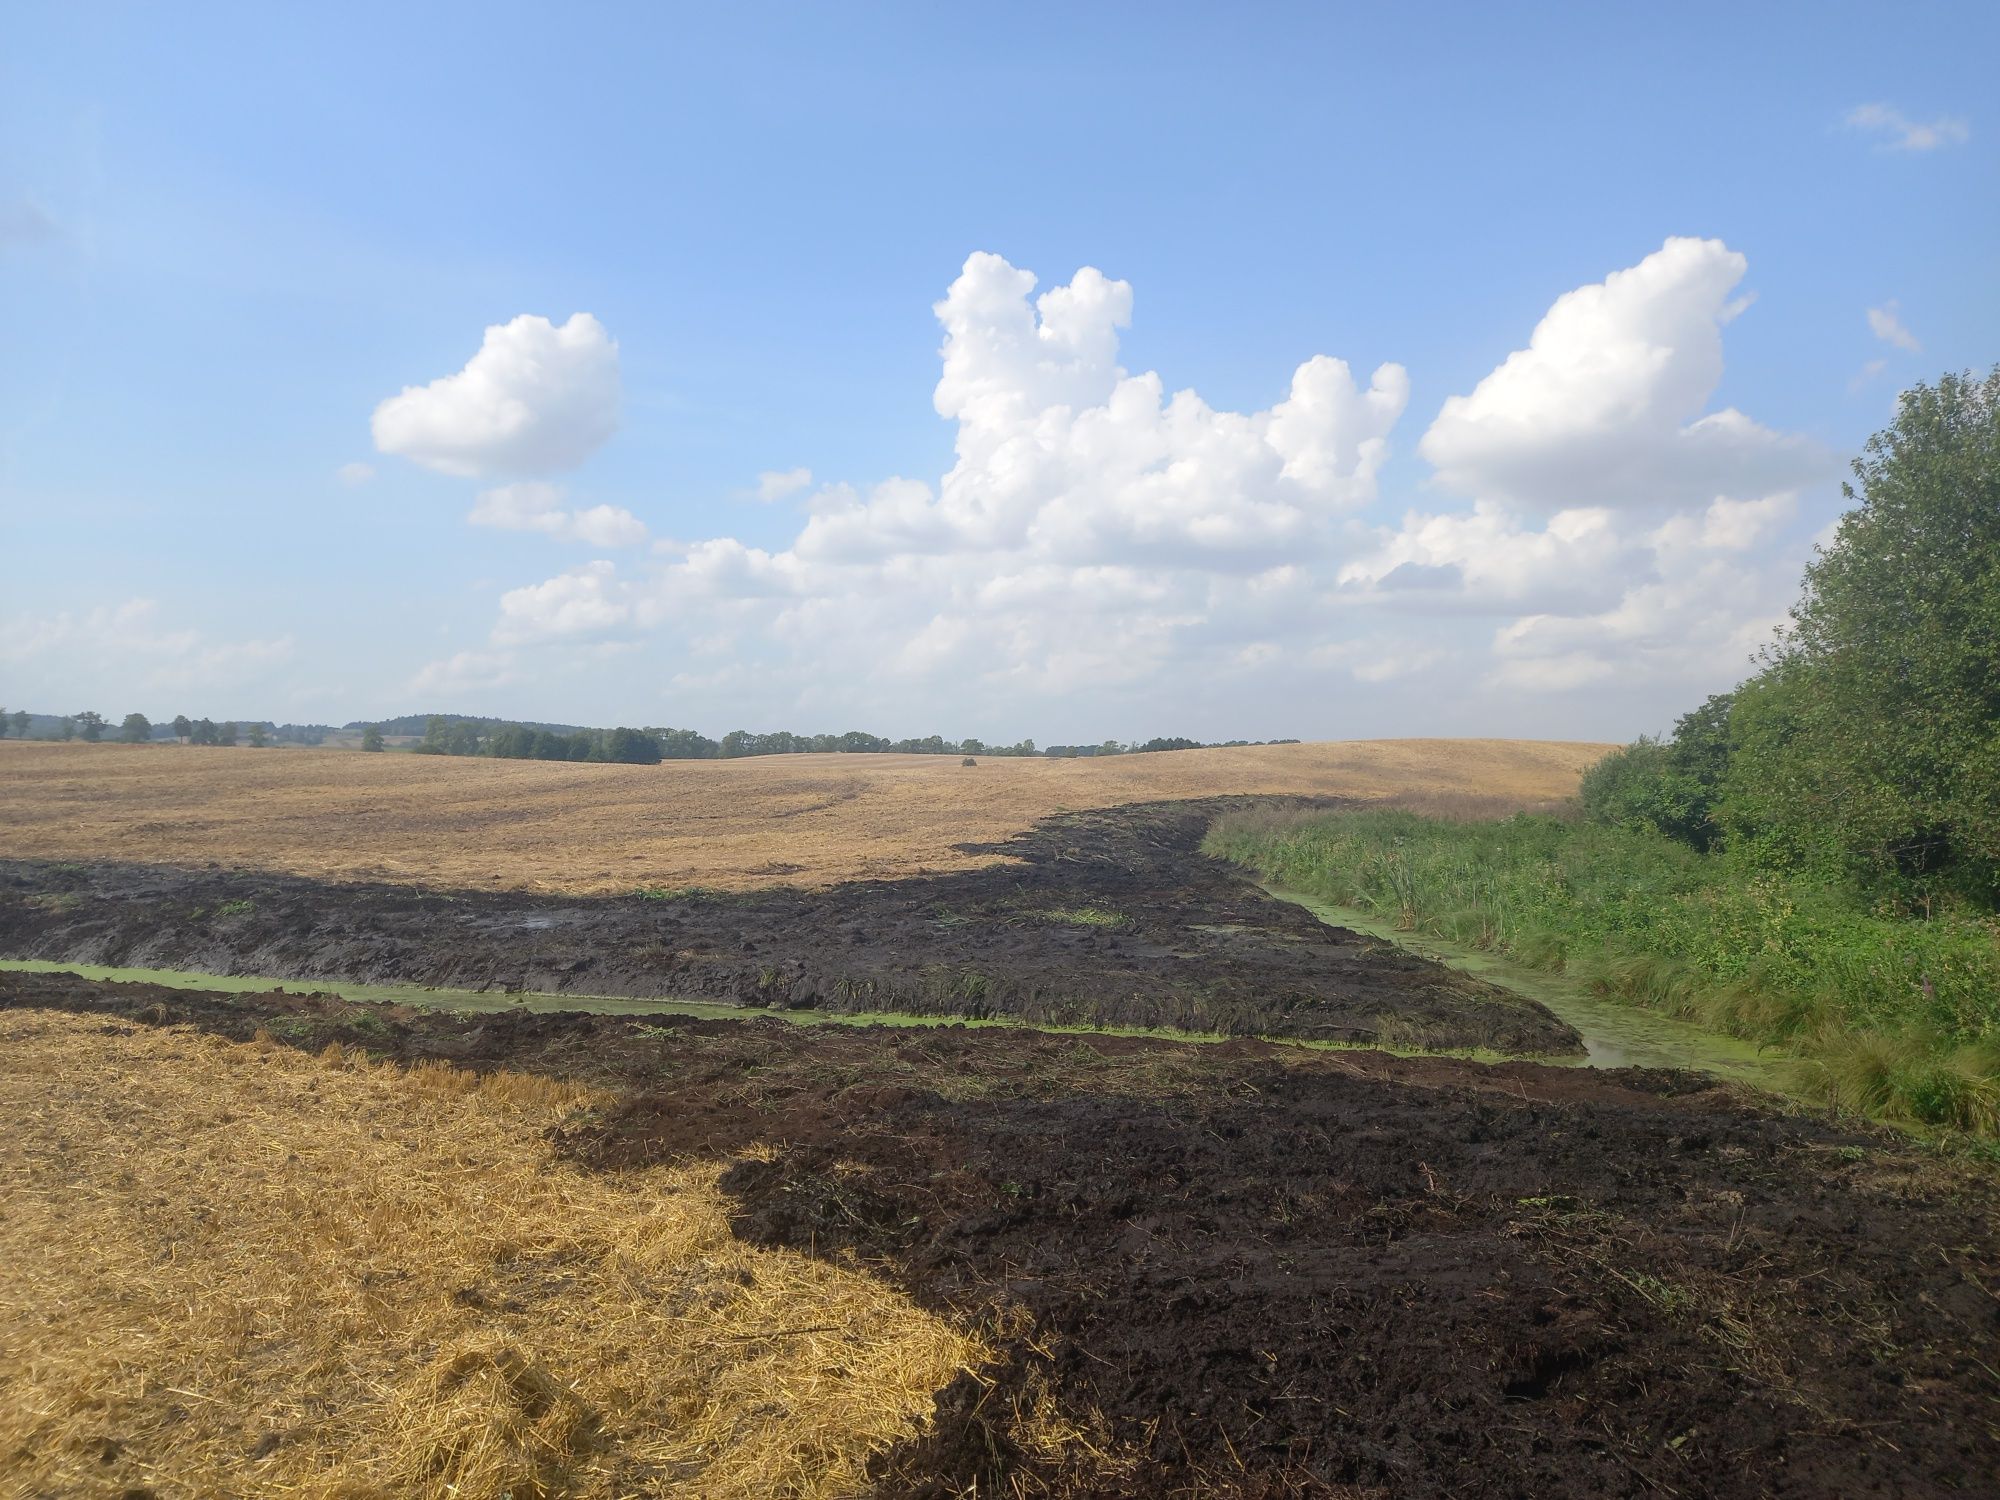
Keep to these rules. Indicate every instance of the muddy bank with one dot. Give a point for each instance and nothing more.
(1244, 1270)
(1108, 918)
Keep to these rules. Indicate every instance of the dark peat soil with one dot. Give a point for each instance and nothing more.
(1107, 918)
(1246, 1270)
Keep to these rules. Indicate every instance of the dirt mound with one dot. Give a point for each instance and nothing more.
(1106, 918)
(1243, 1270)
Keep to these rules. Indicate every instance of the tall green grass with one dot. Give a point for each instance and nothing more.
(1897, 1016)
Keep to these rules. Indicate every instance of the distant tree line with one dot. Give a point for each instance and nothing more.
(448, 734)
(137, 729)
(463, 734)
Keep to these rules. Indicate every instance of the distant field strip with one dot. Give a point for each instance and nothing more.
(809, 820)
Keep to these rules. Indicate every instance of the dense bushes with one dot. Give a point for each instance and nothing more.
(1771, 957)
(1866, 752)
(1813, 859)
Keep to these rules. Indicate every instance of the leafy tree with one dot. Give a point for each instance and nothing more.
(136, 729)
(258, 739)
(5, 723)
(21, 722)
(90, 726)
(631, 747)
(1670, 787)
(685, 744)
(1870, 744)
(182, 728)
(225, 734)
(66, 727)
(371, 737)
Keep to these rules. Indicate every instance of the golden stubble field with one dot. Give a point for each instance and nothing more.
(808, 820)
(239, 1269)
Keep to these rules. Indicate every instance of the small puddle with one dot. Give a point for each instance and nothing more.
(1614, 1035)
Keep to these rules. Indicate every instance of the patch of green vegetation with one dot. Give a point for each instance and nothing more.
(1081, 916)
(55, 900)
(236, 908)
(1663, 1295)
(676, 893)
(1896, 1016)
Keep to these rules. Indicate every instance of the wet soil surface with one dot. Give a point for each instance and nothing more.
(1108, 918)
(1245, 1270)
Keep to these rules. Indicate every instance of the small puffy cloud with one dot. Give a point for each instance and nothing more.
(354, 475)
(1897, 132)
(1886, 323)
(535, 505)
(584, 603)
(1865, 374)
(1605, 405)
(774, 485)
(536, 399)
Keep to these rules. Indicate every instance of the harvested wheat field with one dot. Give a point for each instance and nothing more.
(230, 1267)
(809, 820)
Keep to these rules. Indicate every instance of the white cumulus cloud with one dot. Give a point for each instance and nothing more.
(1606, 404)
(1105, 544)
(585, 602)
(536, 399)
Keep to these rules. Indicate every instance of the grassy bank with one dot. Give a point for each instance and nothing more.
(1894, 1016)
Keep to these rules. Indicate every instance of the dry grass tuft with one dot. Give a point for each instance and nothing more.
(241, 1270)
(808, 820)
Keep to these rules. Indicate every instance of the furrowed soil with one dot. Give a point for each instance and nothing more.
(803, 820)
(1109, 918)
(1243, 1270)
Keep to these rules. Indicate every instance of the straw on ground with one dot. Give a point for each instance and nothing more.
(238, 1269)
(783, 819)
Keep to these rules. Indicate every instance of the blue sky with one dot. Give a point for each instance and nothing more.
(229, 235)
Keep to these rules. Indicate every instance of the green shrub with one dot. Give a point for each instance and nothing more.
(1902, 1013)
